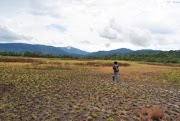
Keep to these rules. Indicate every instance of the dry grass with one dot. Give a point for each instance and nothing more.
(154, 113)
(99, 64)
(147, 73)
(83, 90)
(5, 89)
(20, 60)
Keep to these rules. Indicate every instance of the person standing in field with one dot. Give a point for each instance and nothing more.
(116, 74)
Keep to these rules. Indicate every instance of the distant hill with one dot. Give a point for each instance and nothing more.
(74, 51)
(22, 47)
(122, 51)
(147, 55)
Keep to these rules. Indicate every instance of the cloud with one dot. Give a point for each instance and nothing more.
(44, 7)
(8, 36)
(158, 28)
(107, 44)
(34, 7)
(174, 1)
(134, 35)
(161, 30)
(109, 33)
(85, 42)
(135, 24)
(139, 37)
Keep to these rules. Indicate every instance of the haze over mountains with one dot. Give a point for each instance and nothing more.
(22, 47)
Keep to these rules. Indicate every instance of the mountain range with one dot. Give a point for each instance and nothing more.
(22, 47)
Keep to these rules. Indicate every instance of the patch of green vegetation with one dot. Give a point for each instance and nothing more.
(110, 119)
(161, 57)
(171, 76)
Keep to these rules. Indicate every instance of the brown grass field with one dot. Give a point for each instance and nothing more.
(36, 89)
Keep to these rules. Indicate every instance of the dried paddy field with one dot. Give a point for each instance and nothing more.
(34, 89)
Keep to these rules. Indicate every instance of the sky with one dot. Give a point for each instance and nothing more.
(92, 25)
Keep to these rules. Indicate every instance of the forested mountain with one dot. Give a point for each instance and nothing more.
(122, 51)
(22, 47)
(74, 51)
(28, 50)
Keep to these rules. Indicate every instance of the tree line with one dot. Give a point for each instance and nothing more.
(34, 54)
(161, 57)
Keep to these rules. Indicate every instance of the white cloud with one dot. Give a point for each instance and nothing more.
(128, 34)
(91, 24)
(107, 44)
(109, 33)
(8, 36)
(85, 42)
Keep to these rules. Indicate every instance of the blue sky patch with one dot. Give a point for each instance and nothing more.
(56, 27)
